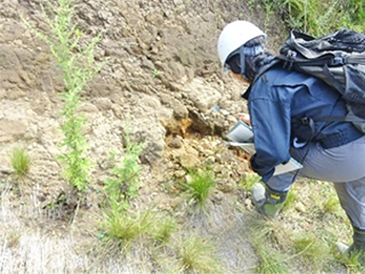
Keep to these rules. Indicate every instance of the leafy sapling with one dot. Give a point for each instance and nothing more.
(123, 186)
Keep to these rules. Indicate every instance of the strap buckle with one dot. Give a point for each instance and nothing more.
(337, 61)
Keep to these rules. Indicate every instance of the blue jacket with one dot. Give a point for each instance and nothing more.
(277, 100)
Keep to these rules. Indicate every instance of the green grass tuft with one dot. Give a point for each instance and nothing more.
(163, 228)
(121, 227)
(291, 199)
(200, 185)
(20, 162)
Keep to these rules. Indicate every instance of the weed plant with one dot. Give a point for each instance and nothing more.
(200, 185)
(319, 17)
(353, 263)
(290, 199)
(124, 184)
(21, 162)
(78, 68)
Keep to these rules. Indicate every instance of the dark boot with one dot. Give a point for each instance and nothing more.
(267, 201)
(358, 246)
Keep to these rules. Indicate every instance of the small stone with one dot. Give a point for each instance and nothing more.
(226, 187)
(175, 202)
(300, 207)
(189, 161)
(218, 196)
(179, 173)
(209, 160)
(173, 190)
(175, 143)
(342, 247)
(248, 203)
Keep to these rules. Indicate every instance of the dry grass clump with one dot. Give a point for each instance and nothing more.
(197, 255)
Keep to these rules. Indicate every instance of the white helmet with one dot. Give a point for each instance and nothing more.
(233, 36)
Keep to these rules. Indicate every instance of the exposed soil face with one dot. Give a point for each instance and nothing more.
(160, 81)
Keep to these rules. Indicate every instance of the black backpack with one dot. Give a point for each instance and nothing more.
(339, 60)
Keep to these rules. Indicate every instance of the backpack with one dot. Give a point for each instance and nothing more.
(339, 60)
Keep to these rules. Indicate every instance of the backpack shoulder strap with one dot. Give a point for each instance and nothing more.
(271, 63)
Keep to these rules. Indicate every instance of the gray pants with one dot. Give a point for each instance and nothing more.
(344, 166)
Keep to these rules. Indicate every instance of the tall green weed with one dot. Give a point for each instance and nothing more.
(78, 68)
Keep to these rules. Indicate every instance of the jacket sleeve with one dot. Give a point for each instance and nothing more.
(270, 119)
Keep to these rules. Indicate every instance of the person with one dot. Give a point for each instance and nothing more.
(281, 103)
